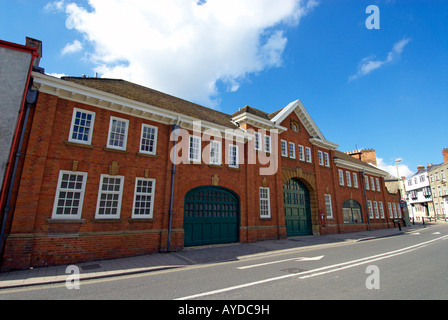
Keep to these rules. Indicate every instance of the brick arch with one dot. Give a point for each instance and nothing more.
(309, 180)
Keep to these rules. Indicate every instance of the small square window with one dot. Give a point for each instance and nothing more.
(81, 129)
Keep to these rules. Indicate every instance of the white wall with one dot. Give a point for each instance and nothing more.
(14, 68)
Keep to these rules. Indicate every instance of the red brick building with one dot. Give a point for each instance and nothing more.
(114, 169)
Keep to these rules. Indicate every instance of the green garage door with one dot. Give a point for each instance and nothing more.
(211, 216)
(297, 209)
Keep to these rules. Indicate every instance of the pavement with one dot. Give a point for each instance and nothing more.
(186, 257)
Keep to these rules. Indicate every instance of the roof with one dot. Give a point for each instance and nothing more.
(253, 111)
(296, 106)
(256, 112)
(419, 173)
(151, 97)
(155, 98)
(358, 163)
(435, 167)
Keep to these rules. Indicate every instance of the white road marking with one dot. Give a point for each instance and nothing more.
(280, 261)
(319, 271)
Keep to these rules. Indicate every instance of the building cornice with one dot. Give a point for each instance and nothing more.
(323, 143)
(258, 122)
(357, 167)
(100, 99)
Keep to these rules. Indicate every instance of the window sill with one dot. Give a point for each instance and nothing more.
(65, 221)
(80, 145)
(194, 163)
(115, 150)
(147, 155)
(133, 220)
(101, 220)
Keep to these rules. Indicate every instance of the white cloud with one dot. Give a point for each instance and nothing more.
(73, 47)
(55, 6)
(369, 64)
(57, 75)
(403, 170)
(185, 47)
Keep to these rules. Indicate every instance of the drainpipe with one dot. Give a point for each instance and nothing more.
(175, 129)
(31, 98)
(365, 198)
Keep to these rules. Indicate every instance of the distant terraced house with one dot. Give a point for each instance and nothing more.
(113, 169)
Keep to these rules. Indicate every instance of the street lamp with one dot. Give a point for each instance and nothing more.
(398, 174)
(402, 192)
(396, 164)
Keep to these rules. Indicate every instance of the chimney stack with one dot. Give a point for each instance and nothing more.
(445, 155)
(420, 168)
(30, 42)
(366, 155)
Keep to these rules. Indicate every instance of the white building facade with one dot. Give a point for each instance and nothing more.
(439, 187)
(419, 195)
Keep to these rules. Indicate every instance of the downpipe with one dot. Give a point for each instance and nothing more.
(365, 199)
(175, 129)
(31, 98)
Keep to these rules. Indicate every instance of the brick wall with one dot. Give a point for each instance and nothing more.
(35, 239)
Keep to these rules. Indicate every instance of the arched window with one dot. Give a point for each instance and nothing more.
(352, 212)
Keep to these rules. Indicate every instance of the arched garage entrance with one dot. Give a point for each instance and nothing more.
(297, 209)
(211, 216)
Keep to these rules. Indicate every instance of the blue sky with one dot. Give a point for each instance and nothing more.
(385, 89)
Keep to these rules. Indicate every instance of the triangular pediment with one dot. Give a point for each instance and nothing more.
(297, 107)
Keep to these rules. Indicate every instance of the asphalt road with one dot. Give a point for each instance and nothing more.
(409, 266)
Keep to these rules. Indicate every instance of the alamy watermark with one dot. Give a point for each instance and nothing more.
(226, 147)
(373, 280)
(72, 281)
(373, 21)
